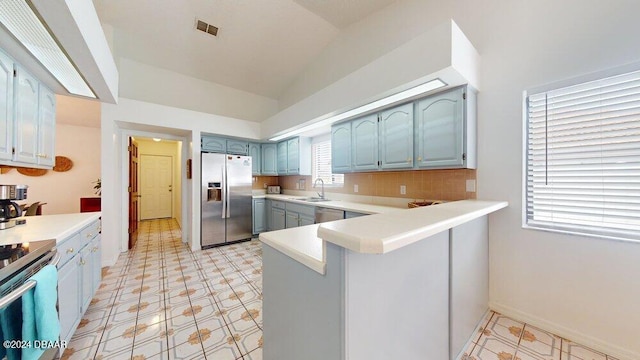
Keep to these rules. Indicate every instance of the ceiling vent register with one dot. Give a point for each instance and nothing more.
(204, 27)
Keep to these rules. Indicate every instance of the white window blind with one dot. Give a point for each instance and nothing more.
(321, 153)
(583, 158)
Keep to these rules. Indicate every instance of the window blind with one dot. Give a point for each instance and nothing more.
(583, 158)
(322, 164)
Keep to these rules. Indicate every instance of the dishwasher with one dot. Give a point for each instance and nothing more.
(324, 215)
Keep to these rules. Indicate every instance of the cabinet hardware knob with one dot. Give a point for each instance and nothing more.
(94, 249)
(89, 235)
(408, 160)
(69, 250)
(82, 262)
(419, 158)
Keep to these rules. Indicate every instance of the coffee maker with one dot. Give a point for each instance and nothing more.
(9, 210)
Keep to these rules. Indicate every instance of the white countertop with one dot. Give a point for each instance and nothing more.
(331, 204)
(375, 234)
(300, 243)
(382, 233)
(47, 227)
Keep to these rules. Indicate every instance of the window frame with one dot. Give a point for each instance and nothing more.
(598, 75)
(315, 141)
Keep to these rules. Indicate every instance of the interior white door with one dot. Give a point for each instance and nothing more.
(156, 185)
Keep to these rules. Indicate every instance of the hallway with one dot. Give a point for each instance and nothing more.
(162, 301)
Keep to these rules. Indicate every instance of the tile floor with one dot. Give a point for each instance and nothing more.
(161, 301)
(502, 338)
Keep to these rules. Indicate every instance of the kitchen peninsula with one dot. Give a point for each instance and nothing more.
(401, 285)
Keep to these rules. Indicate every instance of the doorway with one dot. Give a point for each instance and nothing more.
(159, 182)
(156, 187)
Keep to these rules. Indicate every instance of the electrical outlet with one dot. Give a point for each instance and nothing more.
(303, 184)
(471, 185)
(355, 188)
(297, 186)
(265, 185)
(403, 190)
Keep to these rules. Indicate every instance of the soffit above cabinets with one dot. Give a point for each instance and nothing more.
(77, 29)
(442, 53)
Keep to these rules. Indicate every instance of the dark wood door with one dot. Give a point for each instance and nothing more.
(133, 193)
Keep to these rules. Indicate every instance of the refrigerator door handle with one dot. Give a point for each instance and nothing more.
(228, 190)
(223, 188)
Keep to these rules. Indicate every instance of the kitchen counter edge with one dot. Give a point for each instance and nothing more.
(45, 227)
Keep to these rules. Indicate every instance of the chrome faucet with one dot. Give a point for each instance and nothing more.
(315, 183)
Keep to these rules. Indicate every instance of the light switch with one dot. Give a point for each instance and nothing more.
(355, 188)
(471, 185)
(403, 190)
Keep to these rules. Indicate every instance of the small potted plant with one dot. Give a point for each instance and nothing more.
(98, 187)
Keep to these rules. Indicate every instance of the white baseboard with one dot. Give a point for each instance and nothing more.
(564, 332)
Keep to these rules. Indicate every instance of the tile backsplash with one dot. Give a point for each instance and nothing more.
(420, 184)
(261, 182)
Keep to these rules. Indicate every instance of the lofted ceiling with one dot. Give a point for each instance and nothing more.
(261, 47)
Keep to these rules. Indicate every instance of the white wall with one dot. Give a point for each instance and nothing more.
(62, 190)
(151, 84)
(583, 288)
(166, 148)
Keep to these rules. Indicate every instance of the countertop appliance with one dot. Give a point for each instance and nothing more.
(326, 215)
(226, 199)
(273, 189)
(9, 210)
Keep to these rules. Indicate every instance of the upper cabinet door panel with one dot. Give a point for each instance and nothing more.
(364, 135)
(293, 156)
(269, 159)
(237, 147)
(254, 152)
(440, 121)
(396, 137)
(282, 157)
(6, 107)
(26, 122)
(47, 127)
(341, 148)
(214, 144)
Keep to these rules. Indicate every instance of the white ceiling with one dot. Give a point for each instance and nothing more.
(261, 46)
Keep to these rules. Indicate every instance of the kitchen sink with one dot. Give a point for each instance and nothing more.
(311, 199)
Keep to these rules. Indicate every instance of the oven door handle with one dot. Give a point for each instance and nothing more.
(28, 285)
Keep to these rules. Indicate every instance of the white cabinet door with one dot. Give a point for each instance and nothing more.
(86, 279)
(6, 107)
(69, 298)
(26, 121)
(46, 127)
(96, 264)
(440, 130)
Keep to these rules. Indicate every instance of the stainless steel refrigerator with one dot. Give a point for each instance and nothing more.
(226, 199)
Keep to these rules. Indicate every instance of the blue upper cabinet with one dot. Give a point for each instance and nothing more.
(6, 107)
(214, 144)
(256, 160)
(282, 158)
(269, 159)
(26, 121)
(293, 156)
(364, 142)
(440, 131)
(237, 147)
(341, 148)
(396, 137)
